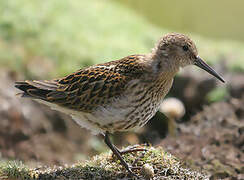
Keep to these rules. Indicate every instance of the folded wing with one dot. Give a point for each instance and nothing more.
(87, 88)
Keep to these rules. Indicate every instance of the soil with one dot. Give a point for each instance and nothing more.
(210, 137)
(213, 140)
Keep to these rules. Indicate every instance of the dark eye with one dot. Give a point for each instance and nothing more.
(185, 48)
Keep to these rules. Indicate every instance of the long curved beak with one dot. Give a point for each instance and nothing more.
(200, 63)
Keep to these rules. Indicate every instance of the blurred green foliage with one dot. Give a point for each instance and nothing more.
(71, 34)
(216, 19)
(62, 36)
(217, 94)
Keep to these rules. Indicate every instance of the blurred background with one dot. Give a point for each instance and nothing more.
(44, 39)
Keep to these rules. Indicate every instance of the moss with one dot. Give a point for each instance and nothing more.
(13, 169)
(105, 166)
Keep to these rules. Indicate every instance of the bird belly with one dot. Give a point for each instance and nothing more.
(131, 110)
(120, 115)
(85, 120)
(126, 117)
(136, 107)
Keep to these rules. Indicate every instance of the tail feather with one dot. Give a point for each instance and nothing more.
(32, 89)
(45, 90)
(47, 85)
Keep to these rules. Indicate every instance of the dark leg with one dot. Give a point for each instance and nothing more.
(117, 154)
(130, 149)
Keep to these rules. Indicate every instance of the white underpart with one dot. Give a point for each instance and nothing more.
(78, 116)
(103, 115)
(115, 112)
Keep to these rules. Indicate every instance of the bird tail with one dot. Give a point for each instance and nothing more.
(36, 89)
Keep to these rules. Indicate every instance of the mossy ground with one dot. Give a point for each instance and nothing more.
(105, 166)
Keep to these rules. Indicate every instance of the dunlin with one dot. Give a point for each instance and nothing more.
(120, 95)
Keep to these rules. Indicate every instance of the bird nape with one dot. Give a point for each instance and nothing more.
(120, 95)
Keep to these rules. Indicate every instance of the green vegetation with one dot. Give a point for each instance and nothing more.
(105, 167)
(217, 94)
(69, 34)
(194, 16)
(53, 38)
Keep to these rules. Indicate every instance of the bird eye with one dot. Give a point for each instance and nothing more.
(185, 48)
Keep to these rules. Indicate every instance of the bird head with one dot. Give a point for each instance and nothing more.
(176, 50)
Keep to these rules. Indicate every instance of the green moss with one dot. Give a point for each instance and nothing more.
(13, 169)
(105, 166)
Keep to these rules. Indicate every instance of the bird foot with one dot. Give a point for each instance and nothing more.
(130, 170)
(131, 149)
(126, 151)
(133, 174)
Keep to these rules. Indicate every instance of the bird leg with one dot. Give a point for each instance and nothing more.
(117, 154)
(129, 149)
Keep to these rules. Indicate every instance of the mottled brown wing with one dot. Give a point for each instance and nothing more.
(88, 88)
(96, 85)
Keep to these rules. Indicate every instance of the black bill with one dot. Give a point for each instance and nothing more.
(200, 63)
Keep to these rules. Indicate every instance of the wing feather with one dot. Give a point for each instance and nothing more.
(87, 88)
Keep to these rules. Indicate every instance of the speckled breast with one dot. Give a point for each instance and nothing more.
(137, 105)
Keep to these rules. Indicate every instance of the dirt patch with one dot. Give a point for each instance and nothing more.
(213, 140)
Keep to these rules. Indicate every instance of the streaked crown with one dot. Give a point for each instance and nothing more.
(176, 50)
